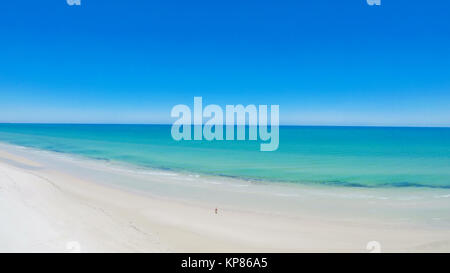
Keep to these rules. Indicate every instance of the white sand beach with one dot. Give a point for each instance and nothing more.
(50, 202)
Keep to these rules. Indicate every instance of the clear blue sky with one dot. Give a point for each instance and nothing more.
(323, 61)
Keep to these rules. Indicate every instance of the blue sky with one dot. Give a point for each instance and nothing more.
(325, 62)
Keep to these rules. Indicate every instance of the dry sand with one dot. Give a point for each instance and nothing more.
(43, 209)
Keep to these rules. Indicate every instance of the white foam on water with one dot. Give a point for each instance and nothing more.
(213, 182)
(442, 196)
(287, 194)
(240, 186)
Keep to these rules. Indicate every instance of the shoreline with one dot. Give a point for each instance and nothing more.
(127, 166)
(107, 210)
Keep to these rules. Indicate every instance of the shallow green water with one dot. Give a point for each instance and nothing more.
(346, 156)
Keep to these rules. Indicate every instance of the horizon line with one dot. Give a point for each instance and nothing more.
(280, 125)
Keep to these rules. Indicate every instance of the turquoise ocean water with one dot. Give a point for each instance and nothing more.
(340, 156)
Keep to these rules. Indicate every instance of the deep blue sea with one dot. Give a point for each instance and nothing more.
(340, 156)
